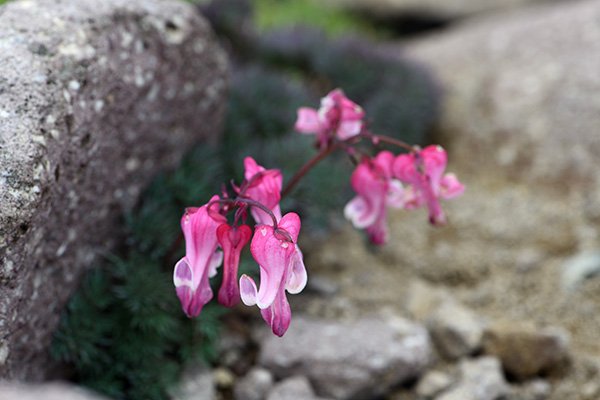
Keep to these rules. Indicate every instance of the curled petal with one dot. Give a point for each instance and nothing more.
(265, 188)
(360, 213)
(384, 161)
(307, 121)
(297, 277)
(279, 315)
(348, 129)
(404, 169)
(248, 291)
(378, 232)
(396, 196)
(215, 262)
(183, 280)
(450, 187)
(291, 223)
(435, 159)
(271, 254)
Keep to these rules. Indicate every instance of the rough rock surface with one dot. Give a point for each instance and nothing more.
(433, 383)
(254, 385)
(95, 97)
(481, 379)
(294, 388)
(349, 360)
(455, 330)
(447, 9)
(196, 383)
(526, 351)
(47, 391)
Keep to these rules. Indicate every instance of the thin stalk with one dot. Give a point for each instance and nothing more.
(307, 167)
(389, 140)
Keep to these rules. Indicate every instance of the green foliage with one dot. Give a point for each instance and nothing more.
(273, 14)
(124, 332)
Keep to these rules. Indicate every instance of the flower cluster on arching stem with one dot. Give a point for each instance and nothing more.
(409, 180)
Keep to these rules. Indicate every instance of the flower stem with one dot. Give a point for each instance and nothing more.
(389, 140)
(307, 167)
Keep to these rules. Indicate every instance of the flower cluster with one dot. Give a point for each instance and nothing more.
(409, 180)
(212, 241)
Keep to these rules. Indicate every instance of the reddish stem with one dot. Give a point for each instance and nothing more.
(389, 140)
(307, 167)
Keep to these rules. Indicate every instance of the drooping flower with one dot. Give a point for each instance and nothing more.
(376, 189)
(201, 259)
(232, 241)
(424, 171)
(264, 186)
(337, 116)
(281, 268)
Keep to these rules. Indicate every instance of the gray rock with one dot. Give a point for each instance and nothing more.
(349, 360)
(46, 391)
(295, 388)
(537, 389)
(196, 383)
(433, 383)
(526, 351)
(521, 95)
(95, 98)
(254, 386)
(580, 267)
(447, 9)
(482, 379)
(455, 330)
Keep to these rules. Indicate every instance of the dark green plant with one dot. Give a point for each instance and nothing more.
(123, 332)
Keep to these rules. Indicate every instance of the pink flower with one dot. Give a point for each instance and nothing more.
(232, 241)
(424, 171)
(337, 115)
(264, 186)
(200, 262)
(376, 190)
(281, 268)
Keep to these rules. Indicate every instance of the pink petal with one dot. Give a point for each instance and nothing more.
(183, 280)
(251, 168)
(378, 232)
(265, 189)
(248, 290)
(297, 277)
(404, 168)
(215, 262)
(360, 213)
(384, 160)
(308, 121)
(434, 159)
(271, 254)
(450, 187)
(396, 196)
(369, 182)
(292, 224)
(348, 129)
(232, 240)
(279, 315)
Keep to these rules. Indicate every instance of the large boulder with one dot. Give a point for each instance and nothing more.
(522, 94)
(95, 98)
